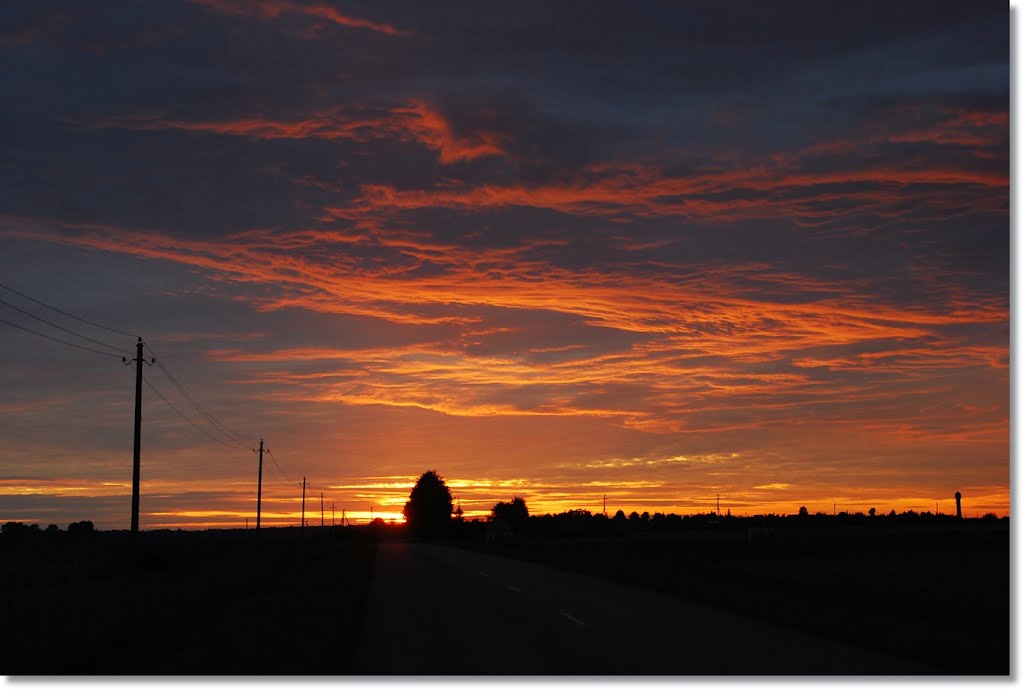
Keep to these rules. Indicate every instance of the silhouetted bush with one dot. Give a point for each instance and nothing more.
(14, 529)
(80, 528)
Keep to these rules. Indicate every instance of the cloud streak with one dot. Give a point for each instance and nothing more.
(274, 9)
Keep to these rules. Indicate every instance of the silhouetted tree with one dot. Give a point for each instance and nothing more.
(83, 527)
(871, 512)
(429, 508)
(803, 511)
(14, 528)
(514, 513)
(619, 515)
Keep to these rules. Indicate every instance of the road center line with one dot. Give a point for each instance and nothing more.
(571, 617)
(514, 589)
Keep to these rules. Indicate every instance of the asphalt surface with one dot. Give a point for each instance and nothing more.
(437, 610)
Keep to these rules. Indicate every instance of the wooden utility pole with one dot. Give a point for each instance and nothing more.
(259, 489)
(321, 508)
(139, 361)
(332, 514)
(303, 501)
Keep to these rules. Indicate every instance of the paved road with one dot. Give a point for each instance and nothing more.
(441, 611)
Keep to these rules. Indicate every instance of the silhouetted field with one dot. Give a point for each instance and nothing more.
(220, 603)
(937, 591)
(206, 603)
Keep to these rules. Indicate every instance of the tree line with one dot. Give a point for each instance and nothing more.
(429, 510)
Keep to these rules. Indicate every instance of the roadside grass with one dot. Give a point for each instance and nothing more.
(940, 597)
(185, 604)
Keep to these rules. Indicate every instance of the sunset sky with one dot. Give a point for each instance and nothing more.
(659, 251)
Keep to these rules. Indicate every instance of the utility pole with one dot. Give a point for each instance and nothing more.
(332, 514)
(259, 489)
(303, 501)
(321, 508)
(718, 509)
(343, 518)
(139, 360)
(604, 505)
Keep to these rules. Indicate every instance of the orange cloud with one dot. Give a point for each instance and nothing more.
(430, 128)
(644, 192)
(709, 306)
(272, 9)
(412, 121)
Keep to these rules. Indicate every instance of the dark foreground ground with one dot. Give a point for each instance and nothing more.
(937, 593)
(935, 596)
(183, 603)
(501, 616)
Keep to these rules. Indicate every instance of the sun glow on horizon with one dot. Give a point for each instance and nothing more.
(476, 497)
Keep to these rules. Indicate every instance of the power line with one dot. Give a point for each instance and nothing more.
(180, 414)
(216, 423)
(66, 330)
(50, 337)
(61, 311)
(202, 411)
(274, 460)
(284, 481)
(223, 428)
(229, 433)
